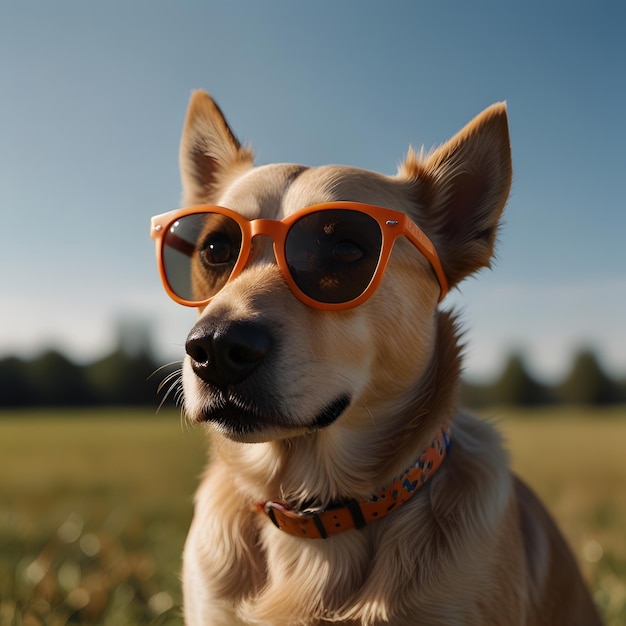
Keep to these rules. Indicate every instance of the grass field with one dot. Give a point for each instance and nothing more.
(95, 505)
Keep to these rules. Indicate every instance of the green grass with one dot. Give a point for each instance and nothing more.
(94, 509)
(95, 506)
(575, 459)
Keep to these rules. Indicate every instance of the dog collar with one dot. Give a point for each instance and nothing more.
(353, 514)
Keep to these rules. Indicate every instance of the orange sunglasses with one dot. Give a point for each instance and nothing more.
(333, 255)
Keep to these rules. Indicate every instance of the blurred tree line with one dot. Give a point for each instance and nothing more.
(586, 383)
(52, 379)
(131, 376)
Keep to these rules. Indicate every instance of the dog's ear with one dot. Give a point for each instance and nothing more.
(210, 153)
(462, 188)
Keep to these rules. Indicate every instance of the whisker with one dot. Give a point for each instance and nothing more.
(172, 388)
(175, 375)
(184, 423)
(172, 383)
(162, 367)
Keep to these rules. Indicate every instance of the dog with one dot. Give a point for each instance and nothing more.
(345, 484)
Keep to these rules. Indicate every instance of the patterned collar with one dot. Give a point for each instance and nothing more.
(353, 514)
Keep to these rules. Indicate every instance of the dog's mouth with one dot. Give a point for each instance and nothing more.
(332, 412)
(245, 421)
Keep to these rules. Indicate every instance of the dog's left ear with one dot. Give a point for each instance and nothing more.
(461, 189)
(210, 153)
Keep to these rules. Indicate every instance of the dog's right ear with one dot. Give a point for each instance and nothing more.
(210, 153)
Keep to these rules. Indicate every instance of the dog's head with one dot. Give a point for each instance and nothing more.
(261, 364)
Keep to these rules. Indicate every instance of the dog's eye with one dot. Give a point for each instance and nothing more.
(216, 249)
(346, 252)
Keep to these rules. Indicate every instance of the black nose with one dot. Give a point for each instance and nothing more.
(225, 354)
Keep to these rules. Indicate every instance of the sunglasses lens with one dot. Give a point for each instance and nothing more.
(199, 254)
(333, 254)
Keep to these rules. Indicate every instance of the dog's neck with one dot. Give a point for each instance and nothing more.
(352, 514)
(311, 471)
(430, 404)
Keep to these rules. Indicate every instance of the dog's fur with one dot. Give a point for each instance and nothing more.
(474, 545)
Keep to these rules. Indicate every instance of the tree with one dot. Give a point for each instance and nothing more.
(587, 383)
(54, 380)
(517, 387)
(122, 379)
(14, 385)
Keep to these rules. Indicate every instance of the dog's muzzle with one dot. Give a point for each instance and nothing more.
(235, 361)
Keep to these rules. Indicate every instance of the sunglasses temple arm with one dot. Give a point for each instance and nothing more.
(427, 248)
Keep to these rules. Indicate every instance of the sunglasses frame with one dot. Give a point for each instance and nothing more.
(393, 224)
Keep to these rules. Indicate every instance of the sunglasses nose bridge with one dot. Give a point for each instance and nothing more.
(262, 235)
(266, 231)
(274, 229)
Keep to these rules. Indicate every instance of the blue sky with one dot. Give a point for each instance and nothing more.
(92, 100)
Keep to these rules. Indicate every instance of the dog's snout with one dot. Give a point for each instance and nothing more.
(226, 354)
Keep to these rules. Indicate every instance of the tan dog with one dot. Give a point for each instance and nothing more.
(333, 420)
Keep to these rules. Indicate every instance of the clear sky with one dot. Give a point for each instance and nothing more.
(93, 96)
